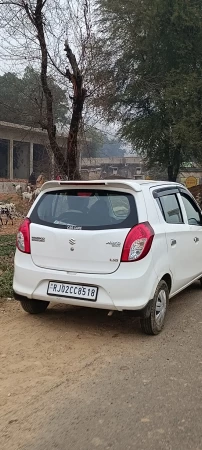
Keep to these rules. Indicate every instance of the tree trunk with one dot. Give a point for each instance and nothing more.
(50, 126)
(174, 166)
(79, 96)
(68, 166)
(171, 173)
(72, 141)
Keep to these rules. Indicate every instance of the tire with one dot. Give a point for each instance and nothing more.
(154, 315)
(34, 306)
(200, 282)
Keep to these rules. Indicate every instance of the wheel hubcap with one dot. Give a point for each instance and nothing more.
(160, 307)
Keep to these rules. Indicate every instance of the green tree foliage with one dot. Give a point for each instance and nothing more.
(150, 56)
(111, 148)
(98, 144)
(22, 100)
(93, 140)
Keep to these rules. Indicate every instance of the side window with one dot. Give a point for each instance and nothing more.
(192, 210)
(171, 209)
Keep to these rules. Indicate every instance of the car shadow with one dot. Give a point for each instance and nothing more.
(184, 296)
(94, 321)
(97, 321)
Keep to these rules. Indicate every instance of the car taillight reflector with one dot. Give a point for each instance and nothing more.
(138, 243)
(23, 237)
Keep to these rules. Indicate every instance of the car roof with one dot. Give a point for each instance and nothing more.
(136, 185)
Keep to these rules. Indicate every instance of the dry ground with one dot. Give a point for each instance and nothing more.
(22, 208)
(7, 242)
(74, 378)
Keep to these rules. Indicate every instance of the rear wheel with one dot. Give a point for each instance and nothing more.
(155, 313)
(34, 306)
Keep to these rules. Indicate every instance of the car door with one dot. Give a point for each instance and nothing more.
(179, 243)
(194, 219)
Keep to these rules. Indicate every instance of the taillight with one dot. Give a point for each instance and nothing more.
(23, 237)
(137, 243)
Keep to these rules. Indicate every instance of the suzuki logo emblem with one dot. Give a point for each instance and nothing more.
(72, 241)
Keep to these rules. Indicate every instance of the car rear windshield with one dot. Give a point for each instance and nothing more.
(85, 209)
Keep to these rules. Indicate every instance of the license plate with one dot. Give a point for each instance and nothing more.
(77, 291)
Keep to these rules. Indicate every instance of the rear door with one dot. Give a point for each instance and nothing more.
(81, 230)
(194, 219)
(179, 243)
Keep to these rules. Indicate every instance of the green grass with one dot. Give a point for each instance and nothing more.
(7, 250)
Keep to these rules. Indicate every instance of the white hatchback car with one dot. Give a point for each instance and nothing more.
(117, 245)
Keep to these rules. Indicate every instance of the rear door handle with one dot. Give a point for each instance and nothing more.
(173, 242)
(196, 239)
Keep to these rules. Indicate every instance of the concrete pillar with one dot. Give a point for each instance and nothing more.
(11, 160)
(31, 160)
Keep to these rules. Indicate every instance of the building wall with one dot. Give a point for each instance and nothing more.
(17, 150)
(95, 162)
(21, 160)
(41, 160)
(4, 158)
(7, 187)
(24, 149)
(99, 168)
(191, 178)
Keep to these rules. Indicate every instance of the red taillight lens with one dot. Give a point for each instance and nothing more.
(138, 242)
(23, 237)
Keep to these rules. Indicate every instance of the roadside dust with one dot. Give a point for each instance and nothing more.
(39, 352)
(9, 228)
(55, 367)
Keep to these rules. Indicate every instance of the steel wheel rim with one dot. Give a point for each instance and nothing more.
(160, 310)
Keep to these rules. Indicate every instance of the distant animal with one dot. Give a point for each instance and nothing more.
(40, 180)
(27, 196)
(11, 207)
(18, 188)
(36, 192)
(7, 210)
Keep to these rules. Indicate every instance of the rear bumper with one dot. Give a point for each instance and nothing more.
(129, 288)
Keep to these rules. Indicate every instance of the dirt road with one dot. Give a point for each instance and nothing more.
(77, 379)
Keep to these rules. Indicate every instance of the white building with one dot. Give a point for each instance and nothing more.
(24, 149)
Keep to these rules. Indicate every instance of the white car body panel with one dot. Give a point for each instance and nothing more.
(91, 251)
(121, 290)
(121, 285)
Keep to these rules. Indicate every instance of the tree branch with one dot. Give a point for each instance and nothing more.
(72, 60)
(55, 65)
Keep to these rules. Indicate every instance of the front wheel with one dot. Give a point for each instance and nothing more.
(34, 306)
(155, 313)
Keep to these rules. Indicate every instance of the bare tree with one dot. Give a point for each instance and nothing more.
(80, 93)
(40, 24)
